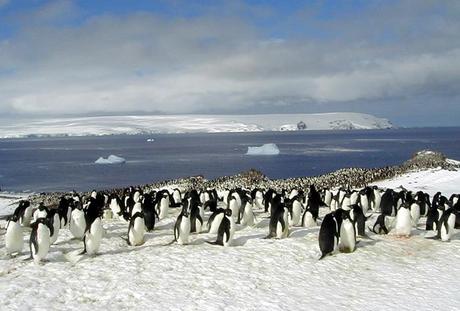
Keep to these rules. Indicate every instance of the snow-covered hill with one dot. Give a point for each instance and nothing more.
(112, 125)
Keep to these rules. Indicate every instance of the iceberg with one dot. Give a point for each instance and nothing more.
(112, 159)
(266, 149)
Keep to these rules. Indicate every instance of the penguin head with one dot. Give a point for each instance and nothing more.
(13, 218)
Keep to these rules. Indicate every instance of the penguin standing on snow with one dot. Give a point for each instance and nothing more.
(182, 227)
(226, 230)
(447, 224)
(63, 212)
(279, 220)
(328, 237)
(347, 234)
(381, 225)
(77, 224)
(40, 212)
(359, 219)
(246, 215)
(403, 225)
(136, 228)
(215, 220)
(24, 212)
(93, 232)
(148, 208)
(295, 211)
(53, 218)
(40, 239)
(14, 240)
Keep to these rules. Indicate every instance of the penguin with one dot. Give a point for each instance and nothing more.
(54, 219)
(163, 204)
(328, 237)
(376, 199)
(136, 229)
(234, 206)
(447, 225)
(182, 227)
(14, 240)
(359, 219)
(226, 230)
(388, 204)
(327, 197)
(148, 208)
(308, 219)
(215, 220)
(196, 222)
(39, 241)
(116, 206)
(279, 220)
(346, 202)
(381, 225)
(354, 197)
(24, 212)
(403, 221)
(93, 234)
(347, 233)
(415, 213)
(295, 211)
(257, 196)
(432, 219)
(77, 221)
(40, 212)
(246, 215)
(64, 212)
(177, 197)
(364, 199)
(268, 197)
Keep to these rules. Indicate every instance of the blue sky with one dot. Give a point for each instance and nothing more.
(394, 59)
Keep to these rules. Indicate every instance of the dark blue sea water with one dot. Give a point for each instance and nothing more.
(52, 164)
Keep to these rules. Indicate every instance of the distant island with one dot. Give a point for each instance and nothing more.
(168, 124)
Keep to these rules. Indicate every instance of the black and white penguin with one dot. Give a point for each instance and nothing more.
(246, 214)
(24, 212)
(403, 225)
(432, 218)
(39, 241)
(347, 233)
(182, 227)
(54, 219)
(257, 196)
(295, 211)
(447, 224)
(327, 197)
(40, 212)
(116, 205)
(196, 221)
(328, 237)
(308, 219)
(64, 212)
(279, 219)
(148, 208)
(389, 203)
(162, 204)
(14, 240)
(381, 225)
(376, 199)
(226, 230)
(93, 232)
(77, 220)
(177, 197)
(359, 219)
(136, 229)
(215, 220)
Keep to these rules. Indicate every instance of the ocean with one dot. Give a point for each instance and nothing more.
(67, 163)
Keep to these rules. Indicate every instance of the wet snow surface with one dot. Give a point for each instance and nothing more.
(384, 273)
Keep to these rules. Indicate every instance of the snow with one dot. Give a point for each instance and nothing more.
(266, 149)
(384, 273)
(149, 124)
(112, 159)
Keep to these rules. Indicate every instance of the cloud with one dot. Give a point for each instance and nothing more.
(228, 63)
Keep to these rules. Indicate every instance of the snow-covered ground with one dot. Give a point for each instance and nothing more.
(111, 125)
(384, 273)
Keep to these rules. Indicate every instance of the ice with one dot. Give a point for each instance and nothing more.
(112, 159)
(266, 149)
(151, 124)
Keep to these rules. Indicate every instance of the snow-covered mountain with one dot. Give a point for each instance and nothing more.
(111, 125)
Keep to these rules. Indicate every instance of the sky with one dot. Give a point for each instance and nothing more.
(394, 59)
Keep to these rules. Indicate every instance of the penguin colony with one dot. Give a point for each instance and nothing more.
(347, 211)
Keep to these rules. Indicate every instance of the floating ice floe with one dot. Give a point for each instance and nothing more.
(112, 159)
(266, 149)
(150, 140)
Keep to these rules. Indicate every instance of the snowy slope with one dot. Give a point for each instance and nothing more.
(187, 124)
(384, 273)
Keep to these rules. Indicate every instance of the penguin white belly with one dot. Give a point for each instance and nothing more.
(184, 231)
(403, 222)
(93, 237)
(164, 208)
(137, 208)
(354, 198)
(25, 221)
(364, 203)
(346, 204)
(248, 215)
(77, 223)
(137, 231)
(14, 240)
(43, 242)
(176, 196)
(328, 198)
(415, 213)
(56, 226)
(447, 231)
(347, 237)
(308, 220)
(377, 200)
(333, 205)
(116, 209)
(216, 223)
(40, 214)
(294, 220)
(235, 209)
